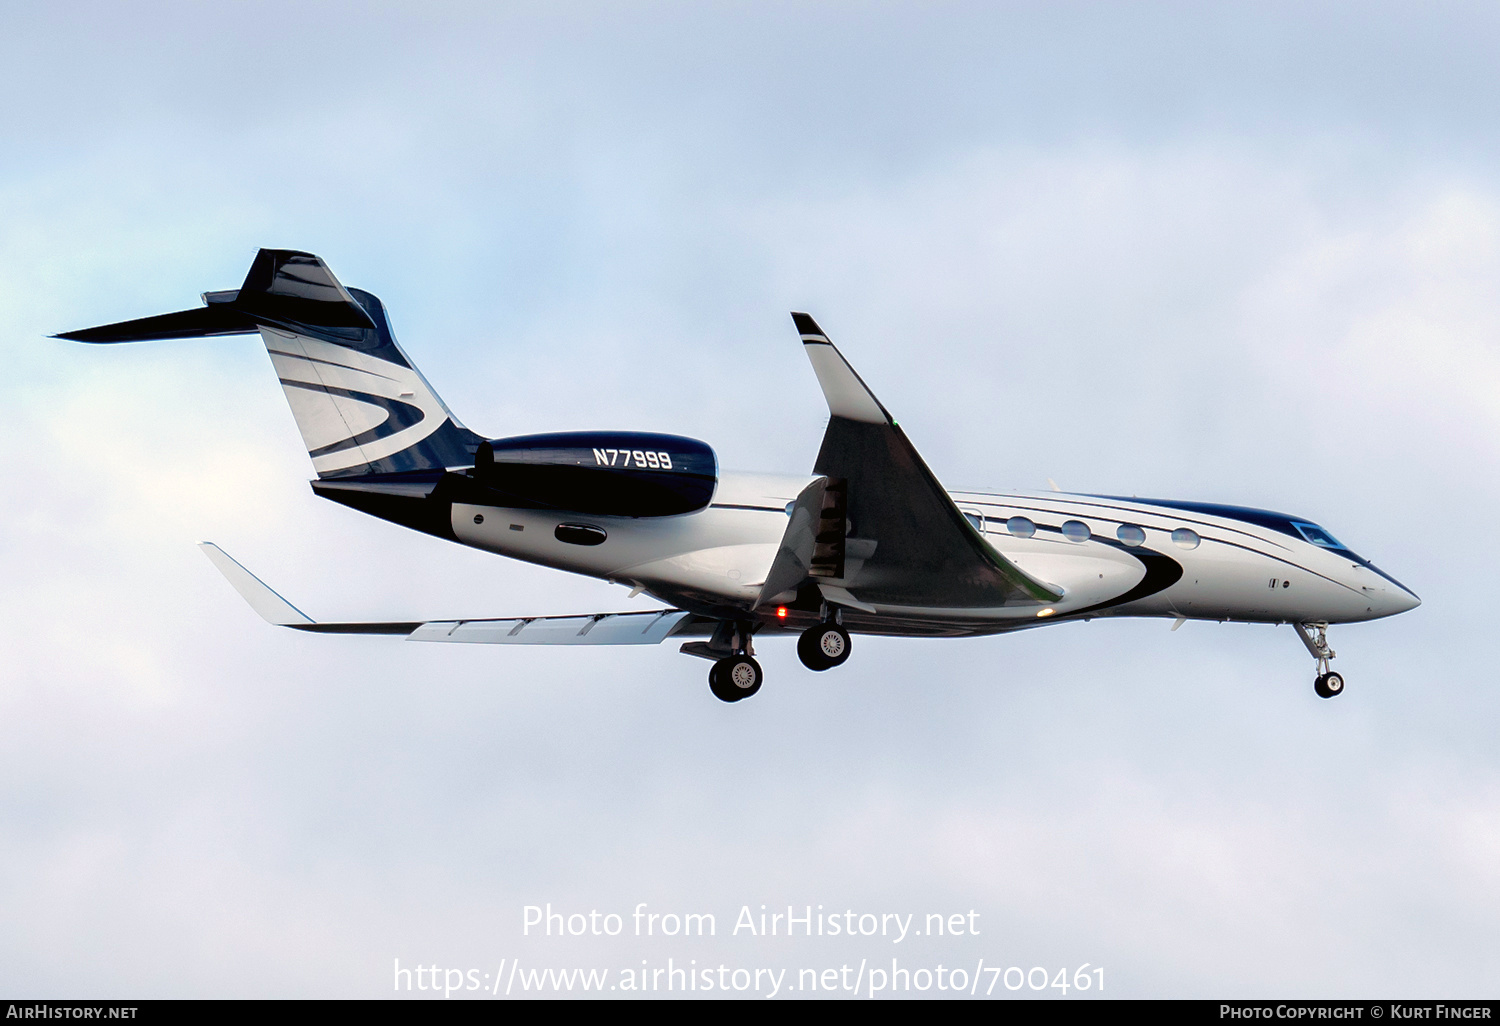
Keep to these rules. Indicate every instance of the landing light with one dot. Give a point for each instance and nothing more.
(1046, 612)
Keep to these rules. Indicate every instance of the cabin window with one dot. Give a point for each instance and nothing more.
(1185, 538)
(974, 518)
(1131, 535)
(1316, 535)
(1020, 527)
(1075, 530)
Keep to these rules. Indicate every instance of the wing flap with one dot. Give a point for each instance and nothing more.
(796, 557)
(649, 628)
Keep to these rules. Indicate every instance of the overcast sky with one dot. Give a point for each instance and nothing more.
(1245, 254)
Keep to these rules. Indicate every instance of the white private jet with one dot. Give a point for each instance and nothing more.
(868, 543)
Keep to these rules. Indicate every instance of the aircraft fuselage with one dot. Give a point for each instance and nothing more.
(1125, 560)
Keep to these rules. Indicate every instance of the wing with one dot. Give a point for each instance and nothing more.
(903, 541)
(633, 628)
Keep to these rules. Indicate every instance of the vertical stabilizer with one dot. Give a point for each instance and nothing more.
(361, 406)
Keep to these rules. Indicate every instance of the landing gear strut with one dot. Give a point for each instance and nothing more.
(739, 676)
(1315, 636)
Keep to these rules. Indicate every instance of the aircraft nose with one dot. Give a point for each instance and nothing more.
(1397, 600)
(1390, 596)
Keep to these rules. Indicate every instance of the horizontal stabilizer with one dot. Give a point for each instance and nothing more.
(201, 322)
(361, 406)
(633, 628)
(285, 288)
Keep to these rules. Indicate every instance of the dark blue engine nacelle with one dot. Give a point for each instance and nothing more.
(607, 473)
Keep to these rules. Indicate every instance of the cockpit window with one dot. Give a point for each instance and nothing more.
(1316, 535)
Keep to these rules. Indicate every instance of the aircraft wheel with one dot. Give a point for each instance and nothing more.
(1328, 685)
(716, 685)
(735, 678)
(823, 647)
(808, 651)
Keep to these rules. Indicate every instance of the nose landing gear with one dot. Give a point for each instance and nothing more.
(1327, 683)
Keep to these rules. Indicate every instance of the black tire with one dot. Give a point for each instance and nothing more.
(808, 652)
(741, 676)
(716, 685)
(735, 678)
(828, 645)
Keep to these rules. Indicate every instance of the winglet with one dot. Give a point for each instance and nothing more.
(808, 328)
(848, 396)
(271, 606)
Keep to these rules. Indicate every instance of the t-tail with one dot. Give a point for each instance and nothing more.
(363, 409)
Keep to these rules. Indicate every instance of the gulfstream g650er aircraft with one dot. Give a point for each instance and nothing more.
(868, 543)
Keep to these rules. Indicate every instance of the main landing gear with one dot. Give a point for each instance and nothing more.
(738, 676)
(735, 678)
(823, 647)
(1315, 636)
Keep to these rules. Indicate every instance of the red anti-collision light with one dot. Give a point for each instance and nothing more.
(781, 612)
